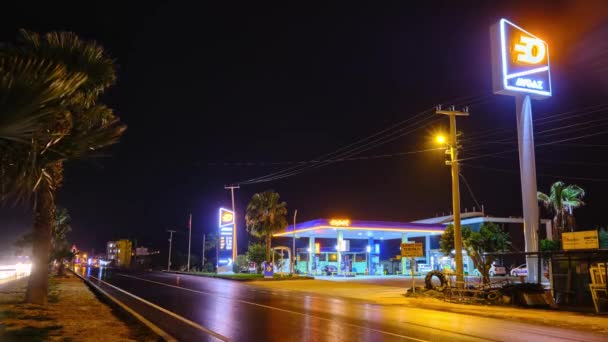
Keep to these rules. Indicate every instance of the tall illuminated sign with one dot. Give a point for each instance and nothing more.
(520, 62)
(521, 69)
(226, 229)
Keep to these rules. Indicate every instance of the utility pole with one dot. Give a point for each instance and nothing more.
(170, 243)
(453, 151)
(189, 239)
(293, 243)
(203, 256)
(234, 242)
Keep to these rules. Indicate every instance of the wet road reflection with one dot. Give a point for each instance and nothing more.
(242, 312)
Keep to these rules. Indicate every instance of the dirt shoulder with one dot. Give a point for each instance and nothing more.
(391, 295)
(74, 313)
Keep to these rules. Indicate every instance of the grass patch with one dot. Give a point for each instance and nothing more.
(29, 333)
(236, 276)
(247, 276)
(8, 314)
(53, 293)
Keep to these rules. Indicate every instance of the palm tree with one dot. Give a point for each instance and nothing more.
(60, 248)
(49, 90)
(562, 200)
(266, 215)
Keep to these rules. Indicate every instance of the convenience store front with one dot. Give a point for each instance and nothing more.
(347, 247)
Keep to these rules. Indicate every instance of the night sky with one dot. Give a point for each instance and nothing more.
(214, 95)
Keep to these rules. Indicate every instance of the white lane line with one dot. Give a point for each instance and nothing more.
(157, 330)
(170, 313)
(275, 308)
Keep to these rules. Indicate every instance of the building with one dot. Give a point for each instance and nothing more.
(120, 252)
(111, 251)
(346, 247)
(514, 226)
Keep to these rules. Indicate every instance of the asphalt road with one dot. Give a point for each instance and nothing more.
(192, 308)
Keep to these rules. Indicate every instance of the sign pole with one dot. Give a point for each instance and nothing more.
(412, 271)
(189, 239)
(234, 235)
(527, 169)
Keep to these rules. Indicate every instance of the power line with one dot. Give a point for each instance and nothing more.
(328, 155)
(353, 149)
(470, 190)
(345, 154)
(538, 174)
(543, 121)
(537, 145)
(387, 155)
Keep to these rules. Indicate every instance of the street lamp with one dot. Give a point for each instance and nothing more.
(440, 139)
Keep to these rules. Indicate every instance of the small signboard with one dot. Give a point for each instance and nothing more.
(411, 250)
(580, 240)
(268, 270)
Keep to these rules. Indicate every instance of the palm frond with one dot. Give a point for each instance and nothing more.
(76, 55)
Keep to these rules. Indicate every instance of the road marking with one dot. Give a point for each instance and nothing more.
(275, 308)
(157, 330)
(170, 313)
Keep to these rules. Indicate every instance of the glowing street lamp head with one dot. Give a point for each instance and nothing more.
(440, 139)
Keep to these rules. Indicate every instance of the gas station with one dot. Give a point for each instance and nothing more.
(347, 247)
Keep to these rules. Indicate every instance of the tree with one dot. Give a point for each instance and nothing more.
(60, 247)
(241, 263)
(490, 238)
(265, 216)
(49, 90)
(257, 253)
(561, 200)
(603, 237)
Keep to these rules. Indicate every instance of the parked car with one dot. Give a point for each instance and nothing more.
(329, 269)
(495, 270)
(521, 270)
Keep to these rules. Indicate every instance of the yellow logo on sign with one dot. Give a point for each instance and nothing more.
(227, 217)
(339, 223)
(530, 50)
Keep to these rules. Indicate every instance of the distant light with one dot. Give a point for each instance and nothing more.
(440, 139)
(309, 250)
(368, 249)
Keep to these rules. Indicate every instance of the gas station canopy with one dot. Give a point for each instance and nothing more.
(358, 229)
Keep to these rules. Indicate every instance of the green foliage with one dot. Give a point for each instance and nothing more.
(603, 237)
(549, 245)
(490, 238)
(241, 264)
(561, 200)
(257, 253)
(266, 215)
(50, 113)
(60, 246)
(49, 109)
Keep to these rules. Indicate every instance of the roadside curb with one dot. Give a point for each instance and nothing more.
(113, 301)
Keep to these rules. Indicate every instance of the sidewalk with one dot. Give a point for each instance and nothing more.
(74, 313)
(391, 295)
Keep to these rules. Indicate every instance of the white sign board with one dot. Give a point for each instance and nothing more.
(520, 62)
